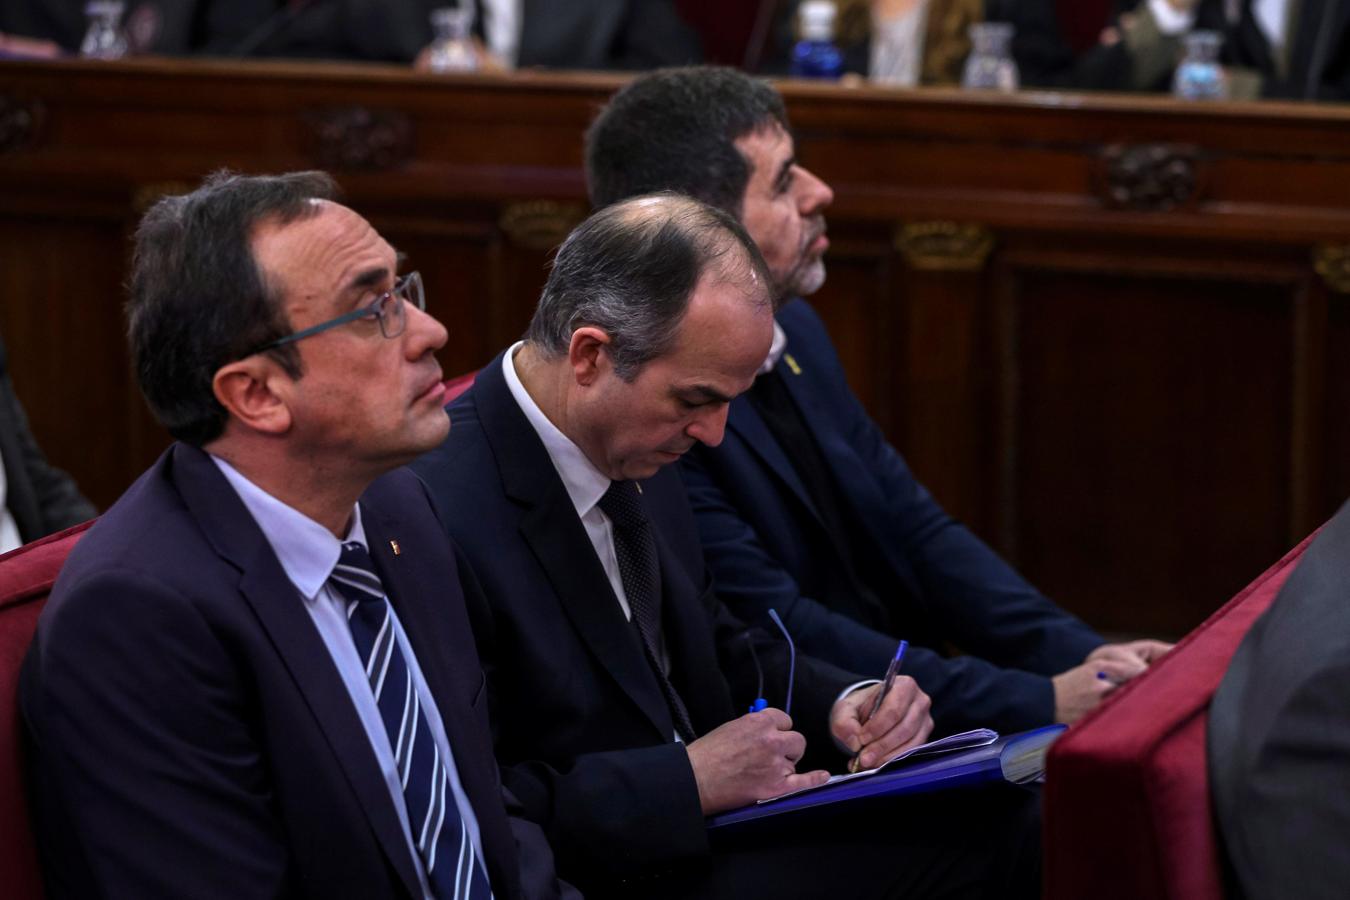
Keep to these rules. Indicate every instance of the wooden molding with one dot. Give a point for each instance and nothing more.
(540, 224)
(19, 122)
(1149, 177)
(944, 246)
(361, 138)
(1332, 262)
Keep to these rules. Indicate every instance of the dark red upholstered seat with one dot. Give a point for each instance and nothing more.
(26, 578)
(1127, 805)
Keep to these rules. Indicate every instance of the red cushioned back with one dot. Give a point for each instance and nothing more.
(26, 578)
(1127, 811)
(458, 385)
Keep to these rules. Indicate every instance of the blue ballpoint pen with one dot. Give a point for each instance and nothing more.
(760, 703)
(891, 671)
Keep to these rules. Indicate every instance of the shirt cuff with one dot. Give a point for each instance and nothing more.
(855, 686)
(1170, 20)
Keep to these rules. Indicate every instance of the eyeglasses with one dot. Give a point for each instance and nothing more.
(388, 309)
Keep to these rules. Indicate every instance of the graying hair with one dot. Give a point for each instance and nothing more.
(631, 270)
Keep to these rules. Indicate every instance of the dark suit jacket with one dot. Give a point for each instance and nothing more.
(191, 736)
(768, 548)
(42, 499)
(1110, 68)
(583, 733)
(1279, 734)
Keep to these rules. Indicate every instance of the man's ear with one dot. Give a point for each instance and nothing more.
(248, 391)
(588, 354)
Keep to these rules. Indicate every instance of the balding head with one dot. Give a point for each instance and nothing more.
(631, 269)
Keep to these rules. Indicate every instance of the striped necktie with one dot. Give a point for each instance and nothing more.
(438, 830)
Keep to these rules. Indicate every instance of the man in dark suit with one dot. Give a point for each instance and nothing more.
(1279, 734)
(600, 619)
(36, 498)
(254, 676)
(805, 508)
(1281, 49)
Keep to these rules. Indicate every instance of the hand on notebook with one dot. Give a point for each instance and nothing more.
(902, 721)
(749, 759)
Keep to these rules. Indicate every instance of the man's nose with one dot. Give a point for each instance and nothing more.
(709, 427)
(815, 195)
(424, 332)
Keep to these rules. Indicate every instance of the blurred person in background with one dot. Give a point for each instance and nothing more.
(578, 34)
(36, 499)
(1271, 48)
(908, 43)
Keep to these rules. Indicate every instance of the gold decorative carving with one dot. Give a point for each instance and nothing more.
(1149, 177)
(944, 246)
(540, 224)
(1332, 262)
(19, 122)
(356, 137)
(147, 195)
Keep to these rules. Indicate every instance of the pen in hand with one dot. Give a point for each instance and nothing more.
(891, 671)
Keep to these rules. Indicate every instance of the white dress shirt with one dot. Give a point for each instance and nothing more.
(1272, 17)
(584, 482)
(897, 47)
(501, 26)
(308, 552)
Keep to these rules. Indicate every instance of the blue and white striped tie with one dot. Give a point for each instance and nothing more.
(438, 830)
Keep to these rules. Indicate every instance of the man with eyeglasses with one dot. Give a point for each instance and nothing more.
(255, 677)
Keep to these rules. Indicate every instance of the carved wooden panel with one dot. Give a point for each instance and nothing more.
(1144, 416)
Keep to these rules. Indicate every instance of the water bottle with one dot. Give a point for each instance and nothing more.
(815, 55)
(104, 38)
(1199, 75)
(452, 48)
(990, 66)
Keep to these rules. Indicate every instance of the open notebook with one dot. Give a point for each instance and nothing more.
(968, 759)
(979, 737)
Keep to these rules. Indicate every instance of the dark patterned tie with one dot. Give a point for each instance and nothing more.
(438, 830)
(640, 573)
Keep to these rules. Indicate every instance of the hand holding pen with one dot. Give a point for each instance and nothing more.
(881, 721)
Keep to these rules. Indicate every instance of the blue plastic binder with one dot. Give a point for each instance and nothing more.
(1015, 758)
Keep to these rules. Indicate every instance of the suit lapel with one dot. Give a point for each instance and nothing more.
(860, 494)
(549, 525)
(686, 624)
(746, 422)
(279, 608)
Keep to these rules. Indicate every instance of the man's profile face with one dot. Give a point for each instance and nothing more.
(783, 209)
(631, 429)
(372, 401)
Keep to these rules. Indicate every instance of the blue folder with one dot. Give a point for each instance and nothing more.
(961, 768)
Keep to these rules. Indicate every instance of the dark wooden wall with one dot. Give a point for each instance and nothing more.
(1104, 331)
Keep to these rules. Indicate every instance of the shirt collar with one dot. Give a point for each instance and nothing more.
(775, 349)
(306, 550)
(584, 482)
